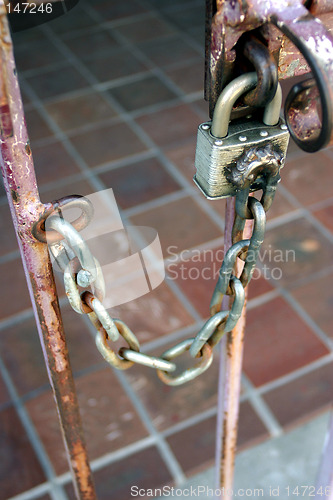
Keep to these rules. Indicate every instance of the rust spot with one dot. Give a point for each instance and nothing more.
(6, 121)
(81, 466)
(15, 196)
(28, 148)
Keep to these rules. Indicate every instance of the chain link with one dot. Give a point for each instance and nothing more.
(82, 269)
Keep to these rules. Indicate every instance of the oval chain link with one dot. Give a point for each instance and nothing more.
(73, 256)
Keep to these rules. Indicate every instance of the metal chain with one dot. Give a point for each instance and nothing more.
(82, 269)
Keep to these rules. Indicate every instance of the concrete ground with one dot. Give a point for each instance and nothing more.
(271, 469)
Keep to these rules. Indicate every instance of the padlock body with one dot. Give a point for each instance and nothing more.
(215, 158)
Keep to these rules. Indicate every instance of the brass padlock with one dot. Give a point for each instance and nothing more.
(233, 157)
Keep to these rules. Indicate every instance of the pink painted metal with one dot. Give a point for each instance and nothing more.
(230, 377)
(26, 209)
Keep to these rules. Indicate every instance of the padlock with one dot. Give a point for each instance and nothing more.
(232, 157)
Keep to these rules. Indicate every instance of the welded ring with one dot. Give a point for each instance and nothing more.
(71, 286)
(147, 360)
(102, 315)
(73, 201)
(207, 331)
(204, 363)
(108, 354)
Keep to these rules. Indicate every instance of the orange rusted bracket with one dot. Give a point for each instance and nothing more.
(299, 43)
(227, 21)
(26, 208)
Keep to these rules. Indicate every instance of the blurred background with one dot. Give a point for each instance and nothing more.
(113, 96)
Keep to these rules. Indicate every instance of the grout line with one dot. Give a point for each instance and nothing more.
(160, 342)
(305, 280)
(34, 493)
(21, 316)
(189, 422)
(112, 457)
(177, 291)
(320, 205)
(40, 70)
(122, 453)
(262, 299)
(155, 203)
(167, 454)
(206, 246)
(16, 319)
(262, 409)
(306, 213)
(122, 162)
(31, 432)
(197, 46)
(187, 38)
(328, 342)
(300, 372)
(14, 254)
(284, 219)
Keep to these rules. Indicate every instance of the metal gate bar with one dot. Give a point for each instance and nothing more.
(229, 385)
(26, 208)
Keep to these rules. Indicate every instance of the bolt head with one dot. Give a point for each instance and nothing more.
(242, 138)
(84, 278)
(219, 142)
(264, 133)
(205, 126)
(283, 127)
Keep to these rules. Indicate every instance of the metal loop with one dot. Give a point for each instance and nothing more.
(236, 309)
(238, 228)
(242, 209)
(227, 266)
(234, 314)
(257, 238)
(88, 273)
(108, 354)
(102, 315)
(227, 99)
(74, 201)
(147, 360)
(316, 45)
(204, 363)
(62, 253)
(72, 291)
(261, 58)
(206, 332)
(307, 123)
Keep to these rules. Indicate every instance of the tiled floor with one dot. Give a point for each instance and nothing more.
(113, 97)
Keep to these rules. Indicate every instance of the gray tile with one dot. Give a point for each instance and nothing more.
(290, 460)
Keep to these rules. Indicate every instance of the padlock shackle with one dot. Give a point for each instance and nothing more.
(272, 110)
(228, 97)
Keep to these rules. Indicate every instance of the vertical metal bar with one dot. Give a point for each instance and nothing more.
(26, 208)
(229, 379)
(324, 481)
